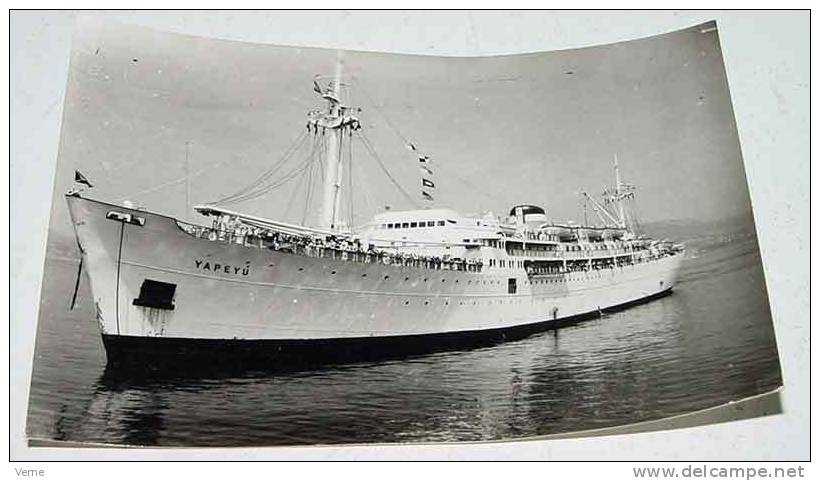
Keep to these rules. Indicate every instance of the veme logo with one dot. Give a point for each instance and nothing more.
(29, 473)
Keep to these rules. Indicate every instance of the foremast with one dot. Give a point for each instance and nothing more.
(335, 123)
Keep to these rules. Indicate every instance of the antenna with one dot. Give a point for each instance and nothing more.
(187, 177)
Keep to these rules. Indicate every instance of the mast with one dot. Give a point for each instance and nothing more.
(187, 178)
(621, 217)
(333, 160)
(603, 213)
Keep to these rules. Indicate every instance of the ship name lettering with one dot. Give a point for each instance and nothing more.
(223, 268)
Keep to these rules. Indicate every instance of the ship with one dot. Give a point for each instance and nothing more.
(244, 290)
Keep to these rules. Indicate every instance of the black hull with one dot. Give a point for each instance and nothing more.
(234, 355)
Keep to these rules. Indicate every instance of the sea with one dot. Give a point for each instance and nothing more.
(708, 343)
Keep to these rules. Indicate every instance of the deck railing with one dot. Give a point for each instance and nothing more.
(353, 251)
(342, 250)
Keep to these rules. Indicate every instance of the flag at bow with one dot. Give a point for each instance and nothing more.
(79, 178)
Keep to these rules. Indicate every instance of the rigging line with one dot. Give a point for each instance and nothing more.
(263, 189)
(322, 157)
(175, 181)
(284, 180)
(266, 175)
(339, 191)
(309, 191)
(155, 188)
(292, 148)
(446, 168)
(350, 177)
(310, 182)
(373, 153)
(312, 179)
(250, 193)
(395, 130)
(369, 205)
(280, 182)
(296, 188)
(406, 142)
(287, 153)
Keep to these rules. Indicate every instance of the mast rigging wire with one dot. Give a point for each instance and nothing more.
(309, 192)
(407, 142)
(262, 189)
(296, 189)
(245, 193)
(363, 138)
(279, 183)
(350, 180)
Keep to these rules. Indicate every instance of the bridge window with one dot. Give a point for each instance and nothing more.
(431, 223)
(413, 225)
(441, 223)
(405, 225)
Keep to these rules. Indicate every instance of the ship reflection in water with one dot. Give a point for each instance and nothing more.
(708, 343)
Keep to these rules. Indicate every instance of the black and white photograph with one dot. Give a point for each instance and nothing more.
(257, 245)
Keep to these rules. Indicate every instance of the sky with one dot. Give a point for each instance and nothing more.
(534, 128)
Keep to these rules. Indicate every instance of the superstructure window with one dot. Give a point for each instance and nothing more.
(405, 225)
(431, 223)
(413, 225)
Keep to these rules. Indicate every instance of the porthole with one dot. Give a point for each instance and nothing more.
(406, 303)
(406, 278)
(386, 277)
(364, 275)
(301, 269)
(332, 272)
(443, 280)
(426, 302)
(425, 279)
